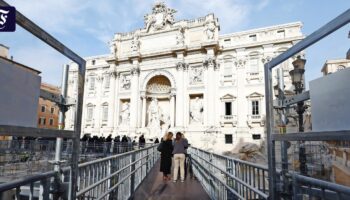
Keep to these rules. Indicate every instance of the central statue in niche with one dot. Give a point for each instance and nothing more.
(154, 114)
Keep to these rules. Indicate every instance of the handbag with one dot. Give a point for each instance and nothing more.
(160, 147)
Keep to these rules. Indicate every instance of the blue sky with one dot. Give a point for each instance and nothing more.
(86, 26)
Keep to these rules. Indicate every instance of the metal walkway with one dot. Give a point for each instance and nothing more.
(153, 187)
(133, 174)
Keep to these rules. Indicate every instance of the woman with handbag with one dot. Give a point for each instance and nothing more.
(166, 149)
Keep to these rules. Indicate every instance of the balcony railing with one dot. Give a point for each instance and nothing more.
(252, 119)
(228, 119)
(254, 76)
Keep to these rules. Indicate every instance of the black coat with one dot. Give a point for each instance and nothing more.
(165, 156)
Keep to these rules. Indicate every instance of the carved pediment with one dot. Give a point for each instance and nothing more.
(255, 94)
(228, 97)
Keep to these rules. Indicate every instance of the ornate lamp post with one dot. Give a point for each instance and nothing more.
(297, 80)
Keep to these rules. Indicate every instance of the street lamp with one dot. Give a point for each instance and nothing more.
(276, 90)
(297, 80)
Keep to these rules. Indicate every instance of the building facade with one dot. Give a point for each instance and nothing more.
(183, 76)
(19, 92)
(48, 110)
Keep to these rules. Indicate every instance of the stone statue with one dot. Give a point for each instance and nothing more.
(210, 30)
(166, 123)
(196, 75)
(180, 37)
(196, 110)
(160, 17)
(154, 114)
(125, 113)
(125, 82)
(135, 43)
(113, 48)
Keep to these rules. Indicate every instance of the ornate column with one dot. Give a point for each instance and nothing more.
(172, 108)
(97, 106)
(186, 98)
(144, 100)
(111, 98)
(210, 64)
(180, 66)
(216, 98)
(135, 72)
(116, 103)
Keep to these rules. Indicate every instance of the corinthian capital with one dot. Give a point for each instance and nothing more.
(135, 71)
(181, 66)
(210, 62)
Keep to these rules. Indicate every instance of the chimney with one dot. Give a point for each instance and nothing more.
(4, 51)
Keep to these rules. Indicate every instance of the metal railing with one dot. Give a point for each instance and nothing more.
(114, 177)
(310, 188)
(227, 178)
(294, 185)
(19, 158)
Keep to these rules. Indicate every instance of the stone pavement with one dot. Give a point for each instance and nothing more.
(154, 188)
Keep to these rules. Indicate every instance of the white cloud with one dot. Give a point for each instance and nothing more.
(44, 59)
(81, 23)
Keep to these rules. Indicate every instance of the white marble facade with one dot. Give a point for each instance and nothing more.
(183, 76)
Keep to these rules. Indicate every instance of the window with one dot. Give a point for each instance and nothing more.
(252, 37)
(42, 121)
(281, 34)
(52, 110)
(105, 112)
(227, 42)
(255, 107)
(93, 62)
(228, 139)
(51, 122)
(42, 108)
(107, 81)
(227, 70)
(89, 113)
(256, 136)
(92, 83)
(254, 65)
(228, 108)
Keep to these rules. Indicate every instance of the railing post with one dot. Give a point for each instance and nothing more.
(44, 191)
(132, 177)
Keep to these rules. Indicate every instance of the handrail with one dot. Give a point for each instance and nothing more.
(321, 183)
(242, 179)
(109, 176)
(237, 160)
(27, 180)
(228, 187)
(114, 156)
(233, 177)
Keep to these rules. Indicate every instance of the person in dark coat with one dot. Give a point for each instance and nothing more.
(166, 155)
(142, 141)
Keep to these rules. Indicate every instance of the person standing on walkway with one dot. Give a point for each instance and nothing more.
(142, 141)
(180, 146)
(166, 149)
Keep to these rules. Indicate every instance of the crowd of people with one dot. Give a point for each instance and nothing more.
(173, 150)
(117, 144)
(88, 143)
